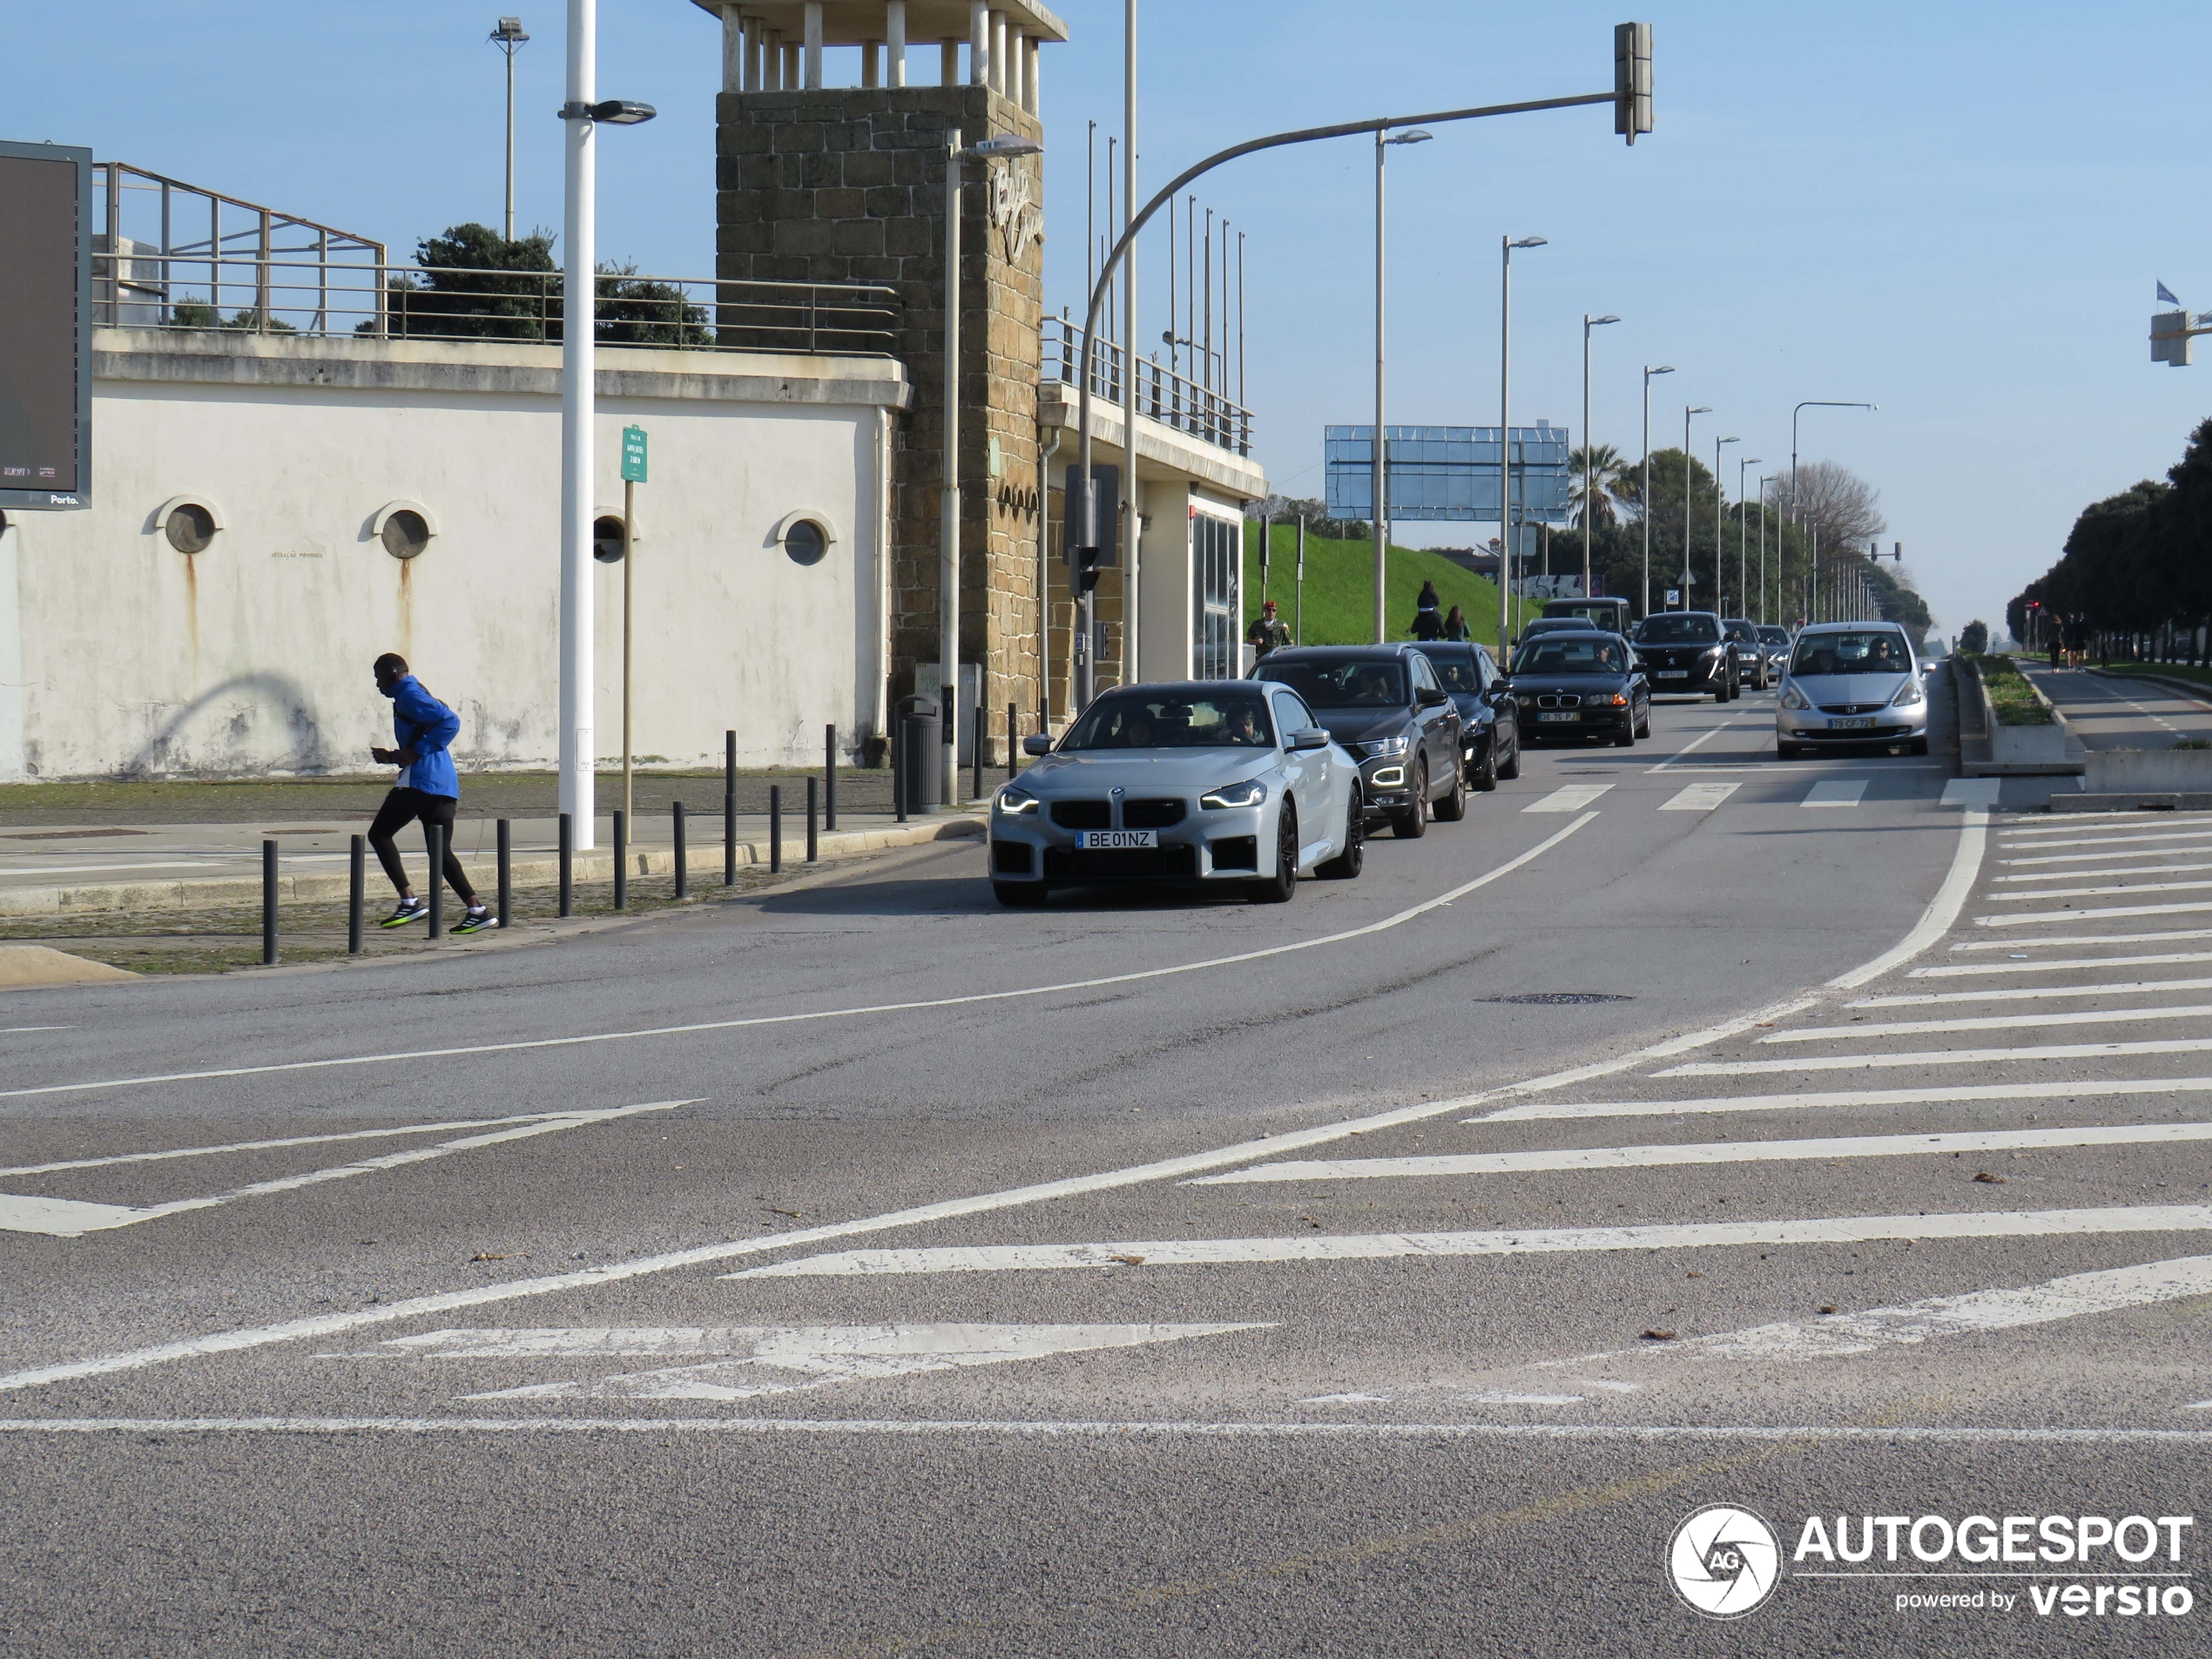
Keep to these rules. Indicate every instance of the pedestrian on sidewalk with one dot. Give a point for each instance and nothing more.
(427, 789)
(1268, 631)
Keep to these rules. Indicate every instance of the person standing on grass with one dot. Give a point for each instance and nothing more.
(427, 788)
(1455, 626)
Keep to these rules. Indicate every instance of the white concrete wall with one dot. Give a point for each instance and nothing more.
(255, 655)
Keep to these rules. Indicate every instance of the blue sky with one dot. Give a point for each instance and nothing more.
(1956, 210)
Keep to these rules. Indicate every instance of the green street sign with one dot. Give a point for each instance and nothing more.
(633, 455)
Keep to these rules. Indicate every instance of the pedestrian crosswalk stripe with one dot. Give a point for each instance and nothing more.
(1848, 1099)
(2095, 893)
(1986, 1022)
(1970, 791)
(1935, 1057)
(1662, 1156)
(2070, 835)
(2103, 914)
(1530, 1241)
(2063, 963)
(2106, 858)
(1924, 999)
(2074, 942)
(2100, 875)
(1838, 791)
(1572, 797)
(1699, 798)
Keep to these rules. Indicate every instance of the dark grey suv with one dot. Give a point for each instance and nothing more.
(1384, 703)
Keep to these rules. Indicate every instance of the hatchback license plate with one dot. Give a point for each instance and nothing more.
(1090, 840)
(1853, 723)
(1566, 715)
(1674, 673)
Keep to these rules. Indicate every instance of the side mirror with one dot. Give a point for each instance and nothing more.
(1430, 698)
(1036, 745)
(1311, 737)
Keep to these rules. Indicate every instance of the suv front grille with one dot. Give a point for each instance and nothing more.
(1151, 814)
(1081, 814)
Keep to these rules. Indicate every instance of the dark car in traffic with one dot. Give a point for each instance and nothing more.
(1687, 653)
(1386, 706)
(1490, 718)
(1579, 687)
(1608, 613)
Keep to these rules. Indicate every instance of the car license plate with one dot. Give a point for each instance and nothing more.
(1674, 673)
(1569, 714)
(1854, 723)
(1093, 838)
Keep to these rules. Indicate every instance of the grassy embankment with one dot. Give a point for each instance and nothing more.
(2010, 694)
(1340, 588)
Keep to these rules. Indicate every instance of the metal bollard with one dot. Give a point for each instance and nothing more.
(356, 893)
(268, 903)
(506, 871)
(775, 829)
(621, 859)
(898, 775)
(813, 841)
(1013, 742)
(433, 839)
(676, 823)
(829, 779)
(729, 809)
(567, 866)
(976, 753)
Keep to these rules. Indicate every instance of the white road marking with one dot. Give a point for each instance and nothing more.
(62, 1219)
(1942, 913)
(1699, 798)
(1383, 926)
(1862, 1332)
(2050, 916)
(1697, 743)
(1658, 1156)
(1985, 1022)
(2069, 834)
(1970, 791)
(1506, 1397)
(1854, 1098)
(742, 1362)
(1935, 1057)
(2074, 942)
(1571, 798)
(2136, 869)
(2104, 858)
(2094, 893)
(19, 1030)
(2070, 963)
(2031, 993)
(1839, 791)
(1336, 1247)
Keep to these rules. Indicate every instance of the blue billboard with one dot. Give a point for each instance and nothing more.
(1450, 472)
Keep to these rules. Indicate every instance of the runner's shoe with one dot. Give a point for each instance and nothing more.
(478, 918)
(409, 910)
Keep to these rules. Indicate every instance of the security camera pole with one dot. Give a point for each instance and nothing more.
(1631, 101)
(507, 36)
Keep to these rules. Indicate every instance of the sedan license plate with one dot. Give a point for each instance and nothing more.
(1854, 723)
(1674, 673)
(1089, 839)
(1567, 714)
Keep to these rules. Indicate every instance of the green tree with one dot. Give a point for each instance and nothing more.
(475, 284)
(1974, 636)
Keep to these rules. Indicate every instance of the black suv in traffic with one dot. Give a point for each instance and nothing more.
(1384, 704)
(1687, 653)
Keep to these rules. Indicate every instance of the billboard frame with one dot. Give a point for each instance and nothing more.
(81, 498)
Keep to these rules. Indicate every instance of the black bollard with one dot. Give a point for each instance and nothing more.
(898, 771)
(356, 893)
(268, 903)
(775, 829)
(567, 866)
(622, 861)
(729, 809)
(506, 872)
(434, 840)
(813, 841)
(829, 779)
(676, 823)
(976, 753)
(1013, 742)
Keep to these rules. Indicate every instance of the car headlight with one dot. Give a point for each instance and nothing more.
(1250, 792)
(1909, 696)
(1014, 802)
(1791, 697)
(1385, 747)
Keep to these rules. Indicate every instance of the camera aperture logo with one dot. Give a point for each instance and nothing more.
(1724, 1562)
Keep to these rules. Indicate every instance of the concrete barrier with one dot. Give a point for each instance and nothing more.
(2148, 772)
(2021, 751)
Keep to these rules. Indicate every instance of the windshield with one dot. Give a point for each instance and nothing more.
(1774, 635)
(1607, 616)
(1569, 654)
(1455, 669)
(1154, 720)
(1376, 682)
(1678, 627)
(1743, 631)
(1875, 651)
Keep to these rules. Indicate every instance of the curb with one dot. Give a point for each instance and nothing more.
(594, 866)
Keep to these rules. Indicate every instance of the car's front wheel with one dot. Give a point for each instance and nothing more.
(1453, 806)
(1347, 864)
(1484, 777)
(1509, 768)
(1278, 888)
(1411, 824)
(1643, 724)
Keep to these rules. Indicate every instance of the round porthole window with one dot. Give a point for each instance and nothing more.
(606, 539)
(405, 534)
(806, 542)
(190, 528)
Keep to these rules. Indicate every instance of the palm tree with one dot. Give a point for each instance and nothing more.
(1599, 472)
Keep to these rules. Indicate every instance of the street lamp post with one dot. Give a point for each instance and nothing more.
(1765, 615)
(1380, 497)
(583, 114)
(1719, 598)
(1505, 246)
(507, 36)
(1589, 492)
(1649, 371)
(1796, 506)
(1688, 494)
(1742, 532)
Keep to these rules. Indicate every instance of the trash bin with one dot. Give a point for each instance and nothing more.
(922, 754)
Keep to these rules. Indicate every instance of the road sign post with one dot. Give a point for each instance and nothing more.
(633, 473)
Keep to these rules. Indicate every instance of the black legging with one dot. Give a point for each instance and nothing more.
(400, 808)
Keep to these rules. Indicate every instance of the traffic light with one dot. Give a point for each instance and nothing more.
(1631, 80)
(1086, 567)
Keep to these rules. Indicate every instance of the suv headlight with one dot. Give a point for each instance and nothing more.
(1014, 802)
(1250, 792)
(1909, 696)
(1386, 746)
(1792, 698)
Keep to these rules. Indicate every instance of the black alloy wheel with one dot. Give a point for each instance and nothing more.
(1278, 888)
(1346, 865)
(1453, 806)
(1509, 768)
(1019, 894)
(1484, 776)
(1626, 737)
(1411, 824)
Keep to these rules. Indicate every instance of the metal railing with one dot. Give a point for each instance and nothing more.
(164, 258)
(1162, 393)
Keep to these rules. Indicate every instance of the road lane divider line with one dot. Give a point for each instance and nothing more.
(1699, 798)
(1698, 742)
(2102, 914)
(696, 1027)
(1665, 1154)
(1943, 910)
(2160, 959)
(2031, 993)
(1129, 1255)
(1935, 1057)
(1929, 1095)
(1986, 1022)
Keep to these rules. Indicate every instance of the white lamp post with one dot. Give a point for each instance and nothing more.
(1588, 493)
(1381, 503)
(1649, 371)
(1505, 246)
(1688, 494)
(1718, 596)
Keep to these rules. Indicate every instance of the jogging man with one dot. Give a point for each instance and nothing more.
(1268, 631)
(427, 788)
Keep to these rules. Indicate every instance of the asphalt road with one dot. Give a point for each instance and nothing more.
(861, 1268)
(2119, 713)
